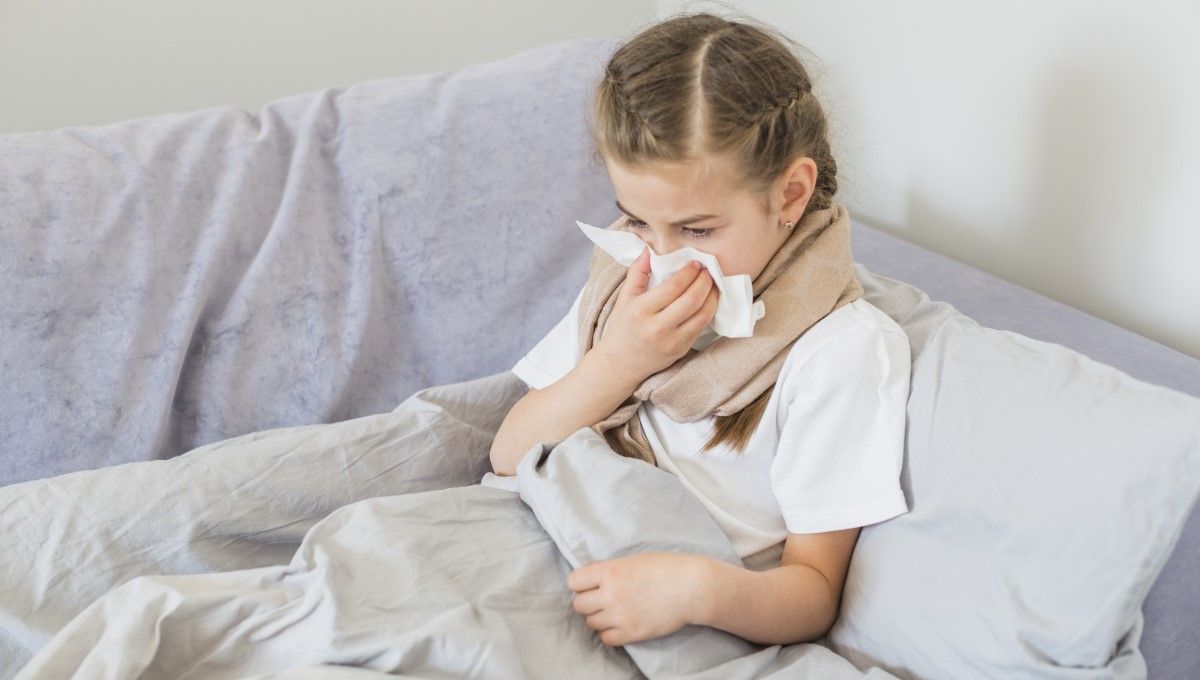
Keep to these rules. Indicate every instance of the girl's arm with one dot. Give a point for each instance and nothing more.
(795, 602)
(581, 398)
(647, 331)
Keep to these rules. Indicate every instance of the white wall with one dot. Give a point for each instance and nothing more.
(81, 62)
(1054, 144)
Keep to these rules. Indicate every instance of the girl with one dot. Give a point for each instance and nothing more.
(792, 438)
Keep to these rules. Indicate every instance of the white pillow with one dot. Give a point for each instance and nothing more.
(1047, 491)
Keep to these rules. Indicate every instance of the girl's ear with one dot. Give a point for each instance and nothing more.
(800, 181)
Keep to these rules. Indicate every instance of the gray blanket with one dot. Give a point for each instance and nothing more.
(352, 549)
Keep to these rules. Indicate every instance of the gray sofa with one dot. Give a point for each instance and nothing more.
(181, 279)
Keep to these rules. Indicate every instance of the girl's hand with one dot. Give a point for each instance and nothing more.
(639, 597)
(649, 330)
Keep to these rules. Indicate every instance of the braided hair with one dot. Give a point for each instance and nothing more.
(699, 84)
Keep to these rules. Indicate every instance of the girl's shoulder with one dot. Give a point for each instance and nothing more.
(851, 333)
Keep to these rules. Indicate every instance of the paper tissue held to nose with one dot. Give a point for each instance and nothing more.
(736, 309)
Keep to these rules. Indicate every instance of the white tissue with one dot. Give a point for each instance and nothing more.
(736, 309)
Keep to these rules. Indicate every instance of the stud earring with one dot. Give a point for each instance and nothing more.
(789, 225)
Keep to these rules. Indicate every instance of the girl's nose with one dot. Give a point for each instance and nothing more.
(660, 246)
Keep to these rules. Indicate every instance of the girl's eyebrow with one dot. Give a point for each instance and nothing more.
(681, 223)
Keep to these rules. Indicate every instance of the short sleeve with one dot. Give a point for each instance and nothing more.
(841, 444)
(555, 354)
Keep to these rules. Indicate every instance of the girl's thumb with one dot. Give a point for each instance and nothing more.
(638, 277)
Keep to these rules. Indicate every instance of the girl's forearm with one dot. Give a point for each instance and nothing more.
(584, 396)
(784, 605)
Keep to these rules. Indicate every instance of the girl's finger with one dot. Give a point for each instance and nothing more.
(613, 637)
(601, 620)
(691, 301)
(583, 578)
(665, 293)
(637, 279)
(695, 324)
(587, 602)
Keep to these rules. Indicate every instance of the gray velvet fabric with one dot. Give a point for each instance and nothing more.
(177, 280)
(996, 303)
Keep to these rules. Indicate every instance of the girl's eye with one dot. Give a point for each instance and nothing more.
(695, 233)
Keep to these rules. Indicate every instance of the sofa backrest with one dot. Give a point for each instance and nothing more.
(180, 279)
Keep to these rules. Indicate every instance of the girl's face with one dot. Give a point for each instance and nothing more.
(694, 204)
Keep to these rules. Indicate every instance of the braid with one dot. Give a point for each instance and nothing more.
(617, 87)
(827, 184)
(696, 85)
(781, 104)
(785, 103)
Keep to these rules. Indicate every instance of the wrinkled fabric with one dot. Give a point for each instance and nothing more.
(422, 572)
(176, 280)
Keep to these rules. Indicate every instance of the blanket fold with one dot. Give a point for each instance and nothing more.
(420, 572)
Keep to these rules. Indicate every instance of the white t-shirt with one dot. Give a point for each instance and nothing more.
(826, 454)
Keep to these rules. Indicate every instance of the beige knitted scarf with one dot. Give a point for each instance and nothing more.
(810, 275)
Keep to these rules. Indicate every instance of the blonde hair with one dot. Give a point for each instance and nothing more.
(695, 85)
